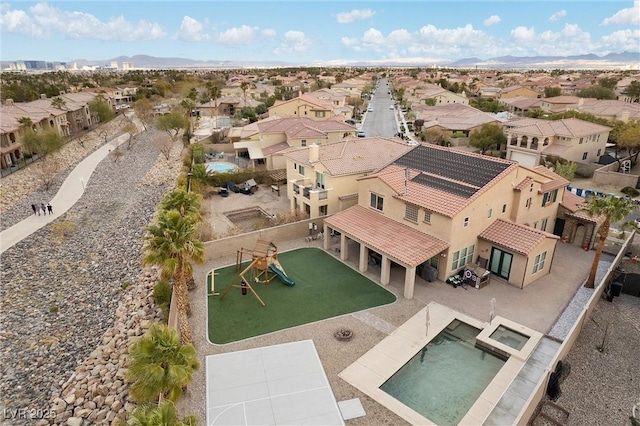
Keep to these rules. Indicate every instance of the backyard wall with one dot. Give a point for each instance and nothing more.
(230, 245)
(608, 175)
(540, 391)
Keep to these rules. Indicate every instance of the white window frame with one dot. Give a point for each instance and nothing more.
(411, 213)
(538, 263)
(301, 170)
(465, 222)
(463, 257)
(376, 202)
(427, 217)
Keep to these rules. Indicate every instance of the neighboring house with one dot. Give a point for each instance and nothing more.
(518, 92)
(454, 119)
(432, 91)
(262, 139)
(520, 106)
(573, 224)
(73, 117)
(322, 179)
(442, 208)
(529, 139)
(489, 92)
(304, 106)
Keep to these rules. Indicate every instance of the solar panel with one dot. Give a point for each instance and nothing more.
(445, 185)
(472, 170)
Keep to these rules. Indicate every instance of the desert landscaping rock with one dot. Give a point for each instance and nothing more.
(71, 305)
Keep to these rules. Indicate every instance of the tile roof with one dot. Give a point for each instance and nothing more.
(526, 182)
(555, 180)
(353, 155)
(568, 127)
(298, 127)
(442, 180)
(399, 242)
(347, 197)
(514, 236)
(574, 203)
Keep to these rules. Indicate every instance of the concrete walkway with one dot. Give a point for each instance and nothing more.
(69, 193)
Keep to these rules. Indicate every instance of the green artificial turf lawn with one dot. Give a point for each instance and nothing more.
(324, 288)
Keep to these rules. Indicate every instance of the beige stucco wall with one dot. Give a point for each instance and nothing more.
(521, 91)
(299, 108)
(577, 149)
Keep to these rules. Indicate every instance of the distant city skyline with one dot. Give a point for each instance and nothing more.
(316, 32)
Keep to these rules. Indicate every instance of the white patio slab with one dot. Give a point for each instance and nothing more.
(273, 385)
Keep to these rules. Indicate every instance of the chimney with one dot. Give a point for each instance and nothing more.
(625, 116)
(314, 153)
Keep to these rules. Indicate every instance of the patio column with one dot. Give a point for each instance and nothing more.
(344, 247)
(385, 270)
(292, 201)
(409, 282)
(363, 263)
(327, 237)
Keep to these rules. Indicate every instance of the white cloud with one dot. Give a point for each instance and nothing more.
(625, 40)
(238, 35)
(629, 16)
(373, 37)
(399, 36)
(354, 15)
(558, 15)
(191, 30)
(43, 21)
(294, 42)
(492, 20)
(523, 34)
(269, 32)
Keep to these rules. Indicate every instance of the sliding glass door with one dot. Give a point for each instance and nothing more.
(500, 263)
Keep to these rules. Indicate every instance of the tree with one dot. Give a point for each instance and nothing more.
(101, 108)
(43, 142)
(628, 137)
(434, 136)
(199, 177)
(58, 102)
(597, 92)
(164, 144)
(171, 243)
(244, 86)
(633, 91)
(551, 92)
(144, 111)
(186, 203)
(608, 82)
(160, 366)
(430, 101)
(612, 210)
(489, 136)
(163, 414)
(172, 123)
(189, 106)
(566, 170)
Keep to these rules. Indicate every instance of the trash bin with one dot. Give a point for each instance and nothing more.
(616, 288)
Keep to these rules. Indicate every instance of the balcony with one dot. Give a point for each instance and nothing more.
(305, 187)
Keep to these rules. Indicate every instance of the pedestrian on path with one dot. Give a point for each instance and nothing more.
(49, 208)
(38, 210)
(44, 209)
(35, 210)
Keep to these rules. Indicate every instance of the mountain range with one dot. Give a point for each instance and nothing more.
(624, 60)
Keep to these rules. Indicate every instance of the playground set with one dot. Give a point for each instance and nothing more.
(262, 269)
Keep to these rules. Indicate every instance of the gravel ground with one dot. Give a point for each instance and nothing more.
(59, 295)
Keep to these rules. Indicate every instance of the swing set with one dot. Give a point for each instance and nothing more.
(262, 269)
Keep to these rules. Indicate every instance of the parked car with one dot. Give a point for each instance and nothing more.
(370, 109)
(224, 191)
(352, 122)
(360, 134)
(248, 188)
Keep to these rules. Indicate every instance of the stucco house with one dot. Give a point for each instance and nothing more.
(529, 139)
(518, 91)
(445, 209)
(262, 140)
(72, 117)
(321, 106)
(322, 179)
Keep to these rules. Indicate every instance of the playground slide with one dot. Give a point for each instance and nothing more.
(280, 273)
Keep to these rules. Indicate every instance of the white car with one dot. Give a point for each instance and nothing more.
(370, 109)
(391, 107)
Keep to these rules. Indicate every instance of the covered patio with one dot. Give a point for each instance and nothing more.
(394, 242)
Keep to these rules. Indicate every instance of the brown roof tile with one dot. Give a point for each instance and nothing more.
(399, 242)
(514, 236)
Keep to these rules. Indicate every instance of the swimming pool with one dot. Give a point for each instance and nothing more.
(221, 167)
(445, 378)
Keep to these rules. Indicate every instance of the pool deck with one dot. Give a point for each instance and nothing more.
(375, 367)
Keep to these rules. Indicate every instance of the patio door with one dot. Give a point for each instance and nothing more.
(500, 263)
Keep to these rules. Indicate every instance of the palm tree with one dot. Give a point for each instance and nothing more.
(160, 365)
(171, 243)
(612, 209)
(244, 86)
(163, 414)
(186, 203)
(189, 105)
(58, 102)
(215, 93)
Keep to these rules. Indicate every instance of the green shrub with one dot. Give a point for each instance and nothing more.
(162, 296)
(630, 191)
(197, 151)
(53, 309)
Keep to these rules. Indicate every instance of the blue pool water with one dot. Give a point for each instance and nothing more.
(446, 377)
(220, 167)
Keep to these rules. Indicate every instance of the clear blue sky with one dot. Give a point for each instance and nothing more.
(316, 32)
